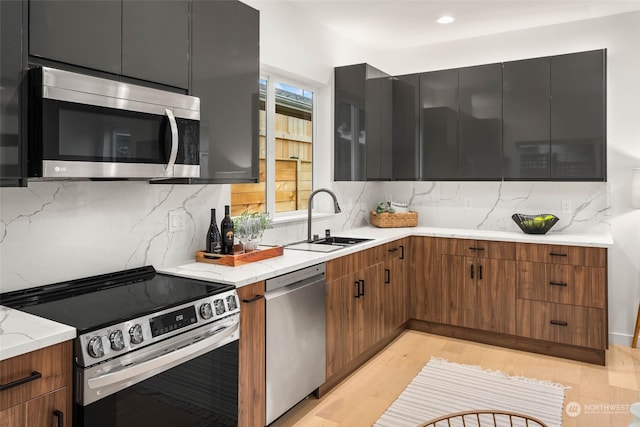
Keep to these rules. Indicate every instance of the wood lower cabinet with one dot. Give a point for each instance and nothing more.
(251, 359)
(44, 398)
(395, 294)
(550, 299)
(479, 284)
(425, 283)
(562, 294)
(355, 319)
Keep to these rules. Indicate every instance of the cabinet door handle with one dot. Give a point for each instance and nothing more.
(472, 271)
(357, 286)
(361, 287)
(250, 300)
(387, 276)
(34, 376)
(476, 248)
(558, 322)
(480, 272)
(557, 284)
(60, 416)
(556, 254)
(401, 251)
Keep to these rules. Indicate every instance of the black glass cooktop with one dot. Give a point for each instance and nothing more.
(100, 301)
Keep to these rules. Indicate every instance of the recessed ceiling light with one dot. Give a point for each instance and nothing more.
(446, 19)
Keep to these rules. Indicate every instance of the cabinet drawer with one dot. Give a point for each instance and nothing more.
(397, 249)
(556, 254)
(561, 323)
(53, 365)
(478, 248)
(347, 264)
(563, 284)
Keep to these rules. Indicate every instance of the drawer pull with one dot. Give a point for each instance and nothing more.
(60, 416)
(34, 376)
(556, 254)
(256, 298)
(393, 250)
(558, 322)
(476, 248)
(557, 284)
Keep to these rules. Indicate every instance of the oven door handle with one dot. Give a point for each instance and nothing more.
(174, 140)
(164, 362)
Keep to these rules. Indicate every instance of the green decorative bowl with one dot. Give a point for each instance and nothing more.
(535, 224)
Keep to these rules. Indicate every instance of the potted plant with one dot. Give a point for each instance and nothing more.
(249, 228)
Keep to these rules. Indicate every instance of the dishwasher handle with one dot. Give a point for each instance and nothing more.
(291, 287)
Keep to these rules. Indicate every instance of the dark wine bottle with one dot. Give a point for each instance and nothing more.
(227, 232)
(214, 238)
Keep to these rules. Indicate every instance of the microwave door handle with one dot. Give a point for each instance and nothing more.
(174, 140)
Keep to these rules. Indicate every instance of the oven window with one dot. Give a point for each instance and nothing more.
(202, 392)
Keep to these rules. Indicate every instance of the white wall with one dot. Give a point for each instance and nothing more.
(57, 231)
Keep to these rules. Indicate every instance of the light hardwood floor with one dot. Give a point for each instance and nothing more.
(604, 392)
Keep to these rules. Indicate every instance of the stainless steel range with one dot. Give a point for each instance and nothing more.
(152, 349)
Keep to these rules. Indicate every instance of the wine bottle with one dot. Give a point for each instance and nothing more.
(227, 232)
(214, 238)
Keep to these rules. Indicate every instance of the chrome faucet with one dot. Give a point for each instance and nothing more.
(336, 207)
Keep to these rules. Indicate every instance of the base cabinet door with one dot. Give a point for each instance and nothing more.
(341, 319)
(496, 295)
(251, 358)
(425, 282)
(47, 410)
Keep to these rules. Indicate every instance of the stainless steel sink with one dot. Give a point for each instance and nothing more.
(327, 244)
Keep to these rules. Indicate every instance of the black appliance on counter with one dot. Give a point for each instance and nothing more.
(151, 349)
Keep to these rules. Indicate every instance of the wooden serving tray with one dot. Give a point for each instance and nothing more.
(239, 259)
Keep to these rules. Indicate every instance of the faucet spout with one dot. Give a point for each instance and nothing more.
(336, 207)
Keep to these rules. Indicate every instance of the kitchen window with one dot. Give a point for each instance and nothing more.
(286, 151)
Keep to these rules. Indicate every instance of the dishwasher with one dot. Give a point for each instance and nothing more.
(295, 335)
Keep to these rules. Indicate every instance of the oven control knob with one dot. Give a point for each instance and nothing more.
(95, 348)
(135, 332)
(117, 340)
(206, 312)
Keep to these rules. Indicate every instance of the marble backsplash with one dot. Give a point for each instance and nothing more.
(481, 205)
(55, 231)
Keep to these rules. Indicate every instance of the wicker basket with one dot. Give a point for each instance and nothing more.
(392, 220)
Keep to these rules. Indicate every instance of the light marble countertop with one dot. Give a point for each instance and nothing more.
(22, 333)
(293, 260)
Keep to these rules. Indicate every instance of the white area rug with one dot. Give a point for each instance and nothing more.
(443, 388)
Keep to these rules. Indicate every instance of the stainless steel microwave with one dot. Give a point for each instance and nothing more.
(87, 127)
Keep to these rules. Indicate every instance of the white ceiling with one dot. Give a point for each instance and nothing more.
(408, 23)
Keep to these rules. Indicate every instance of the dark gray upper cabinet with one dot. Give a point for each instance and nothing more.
(82, 33)
(525, 120)
(13, 151)
(406, 128)
(480, 120)
(578, 116)
(145, 40)
(350, 122)
(155, 41)
(225, 72)
(554, 118)
(378, 107)
(439, 98)
(363, 124)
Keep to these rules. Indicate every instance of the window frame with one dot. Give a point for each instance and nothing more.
(270, 164)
